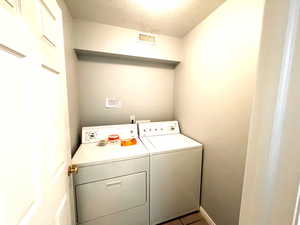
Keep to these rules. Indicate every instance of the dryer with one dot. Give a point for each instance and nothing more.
(111, 185)
(175, 170)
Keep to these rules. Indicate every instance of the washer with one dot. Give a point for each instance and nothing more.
(175, 170)
(111, 185)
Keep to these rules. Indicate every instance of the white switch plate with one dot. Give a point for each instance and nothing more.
(113, 102)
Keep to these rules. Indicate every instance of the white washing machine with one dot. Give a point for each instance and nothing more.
(111, 185)
(175, 170)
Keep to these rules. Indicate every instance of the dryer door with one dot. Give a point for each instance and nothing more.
(102, 198)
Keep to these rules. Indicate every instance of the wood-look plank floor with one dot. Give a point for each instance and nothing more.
(191, 219)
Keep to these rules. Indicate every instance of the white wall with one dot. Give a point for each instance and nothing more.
(116, 40)
(146, 90)
(214, 88)
(72, 79)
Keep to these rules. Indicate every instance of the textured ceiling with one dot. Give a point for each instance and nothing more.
(170, 17)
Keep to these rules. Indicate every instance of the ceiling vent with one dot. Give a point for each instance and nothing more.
(147, 38)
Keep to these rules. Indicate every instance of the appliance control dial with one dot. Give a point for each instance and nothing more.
(92, 135)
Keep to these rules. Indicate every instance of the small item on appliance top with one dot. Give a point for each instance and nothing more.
(102, 143)
(128, 142)
(113, 139)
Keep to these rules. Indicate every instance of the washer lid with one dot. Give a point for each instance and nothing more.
(173, 142)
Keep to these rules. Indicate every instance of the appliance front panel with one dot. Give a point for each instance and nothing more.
(103, 198)
(174, 184)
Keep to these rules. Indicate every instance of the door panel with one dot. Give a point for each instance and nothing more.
(48, 25)
(16, 97)
(35, 152)
(52, 101)
(49, 36)
(10, 5)
(10, 36)
(28, 10)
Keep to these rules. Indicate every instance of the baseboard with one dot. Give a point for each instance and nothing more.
(206, 216)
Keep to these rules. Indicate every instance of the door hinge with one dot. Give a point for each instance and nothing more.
(72, 169)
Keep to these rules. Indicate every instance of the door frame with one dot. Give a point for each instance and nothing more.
(271, 184)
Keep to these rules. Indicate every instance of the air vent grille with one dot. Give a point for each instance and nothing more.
(147, 38)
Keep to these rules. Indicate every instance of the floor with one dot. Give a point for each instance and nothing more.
(191, 219)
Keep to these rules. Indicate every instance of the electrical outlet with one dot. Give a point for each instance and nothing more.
(132, 118)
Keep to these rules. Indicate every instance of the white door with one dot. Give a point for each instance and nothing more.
(33, 115)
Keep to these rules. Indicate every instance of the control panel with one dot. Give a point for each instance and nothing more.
(95, 134)
(158, 128)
